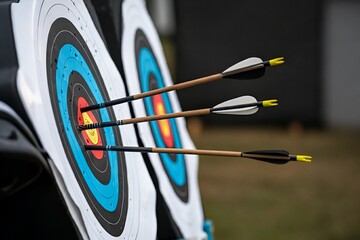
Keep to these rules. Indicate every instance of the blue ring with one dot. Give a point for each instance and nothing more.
(147, 65)
(69, 60)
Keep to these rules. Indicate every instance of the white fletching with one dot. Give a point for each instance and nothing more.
(237, 111)
(252, 61)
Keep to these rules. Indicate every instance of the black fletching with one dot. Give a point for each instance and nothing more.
(281, 153)
(253, 74)
(272, 153)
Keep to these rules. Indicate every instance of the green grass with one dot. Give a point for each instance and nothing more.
(247, 199)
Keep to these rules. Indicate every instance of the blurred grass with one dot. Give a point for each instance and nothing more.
(248, 199)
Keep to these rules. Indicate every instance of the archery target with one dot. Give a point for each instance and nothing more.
(71, 78)
(165, 132)
(146, 69)
(112, 191)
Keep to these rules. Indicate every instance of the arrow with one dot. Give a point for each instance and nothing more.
(245, 105)
(250, 68)
(270, 156)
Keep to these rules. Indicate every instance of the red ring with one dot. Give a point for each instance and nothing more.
(83, 103)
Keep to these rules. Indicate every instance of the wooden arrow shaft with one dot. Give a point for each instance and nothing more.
(197, 152)
(164, 150)
(178, 86)
(167, 116)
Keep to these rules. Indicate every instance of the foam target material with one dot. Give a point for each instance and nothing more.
(63, 66)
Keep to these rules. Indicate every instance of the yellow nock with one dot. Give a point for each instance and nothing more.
(270, 103)
(276, 61)
(303, 158)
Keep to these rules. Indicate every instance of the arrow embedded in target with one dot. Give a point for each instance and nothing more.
(245, 105)
(250, 68)
(270, 156)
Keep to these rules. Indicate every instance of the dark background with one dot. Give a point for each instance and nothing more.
(213, 35)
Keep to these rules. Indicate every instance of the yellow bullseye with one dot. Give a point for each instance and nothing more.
(91, 133)
(164, 124)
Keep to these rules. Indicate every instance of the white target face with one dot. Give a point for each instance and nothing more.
(146, 69)
(64, 68)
